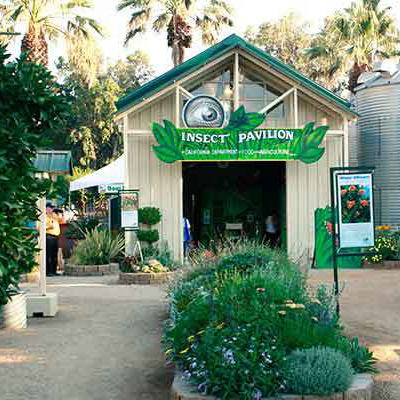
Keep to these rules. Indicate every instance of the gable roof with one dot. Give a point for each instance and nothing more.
(213, 52)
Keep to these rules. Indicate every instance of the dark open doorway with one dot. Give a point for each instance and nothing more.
(233, 198)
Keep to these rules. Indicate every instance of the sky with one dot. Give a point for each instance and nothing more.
(247, 13)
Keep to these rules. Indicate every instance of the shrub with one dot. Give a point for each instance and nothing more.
(78, 229)
(361, 358)
(317, 371)
(149, 236)
(98, 247)
(33, 110)
(385, 249)
(149, 215)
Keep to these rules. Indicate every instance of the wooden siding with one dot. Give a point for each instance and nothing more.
(160, 184)
(307, 188)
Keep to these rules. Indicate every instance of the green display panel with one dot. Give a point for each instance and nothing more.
(240, 140)
(323, 243)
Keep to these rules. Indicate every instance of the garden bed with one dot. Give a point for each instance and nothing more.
(144, 278)
(361, 389)
(387, 264)
(90, 270)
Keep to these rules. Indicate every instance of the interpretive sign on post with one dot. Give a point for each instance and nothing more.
(355, 203)
(111, 188)
(129, 203)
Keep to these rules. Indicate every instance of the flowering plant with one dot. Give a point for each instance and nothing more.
(355, 201)
(385, 248)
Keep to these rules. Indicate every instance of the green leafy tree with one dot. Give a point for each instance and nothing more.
(131, 72)
(32, 106)
(178, 18)
(355, 37)
(47, 20)
(289, 39)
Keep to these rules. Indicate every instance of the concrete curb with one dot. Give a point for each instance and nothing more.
(144, 278)
(361, 389)
(91, 270)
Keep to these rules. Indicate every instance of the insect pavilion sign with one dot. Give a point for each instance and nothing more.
(240, 139)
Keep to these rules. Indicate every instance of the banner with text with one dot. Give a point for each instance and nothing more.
(239, 140)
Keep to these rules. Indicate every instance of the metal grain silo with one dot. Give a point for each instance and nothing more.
(377, 102)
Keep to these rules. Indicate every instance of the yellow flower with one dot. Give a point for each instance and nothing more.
(169, 351)
(316, 301)
(282, 312)
(191, 338)
(315, 319)
(201, 332)
(220, 326)
(184, 351)
(288, 301)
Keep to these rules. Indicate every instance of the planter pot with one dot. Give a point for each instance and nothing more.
(361, 389)
(91, 270)
(31, 277)
(144, 278)
(13, 314)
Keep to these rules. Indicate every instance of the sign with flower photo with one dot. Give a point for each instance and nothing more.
(355, 202)
(129, 200)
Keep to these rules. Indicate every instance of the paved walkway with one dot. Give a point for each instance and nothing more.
(370, 309)
(104, 344)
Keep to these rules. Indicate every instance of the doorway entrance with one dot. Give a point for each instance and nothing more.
(233, 199)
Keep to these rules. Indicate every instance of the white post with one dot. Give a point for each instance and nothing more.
(42, 244)
(345, 141)
(236, 83)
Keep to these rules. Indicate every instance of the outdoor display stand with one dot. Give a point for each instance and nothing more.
(352, 207)
(129, 207)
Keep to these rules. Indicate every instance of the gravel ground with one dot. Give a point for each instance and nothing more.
(104, 344)
(370, 309)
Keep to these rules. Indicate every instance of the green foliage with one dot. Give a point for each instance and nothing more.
(237, 313)
(387, 247)
(150, 236)
(149, 215)
(240, 120)
(361, 358)
(32, 108)
(317, 371)
(98, 247)
(79, 228)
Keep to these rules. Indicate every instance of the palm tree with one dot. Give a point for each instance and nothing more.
(47, 20)
(358, 35)
(178, 17)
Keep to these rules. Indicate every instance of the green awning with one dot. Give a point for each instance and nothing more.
(214, 52)
(57, 162)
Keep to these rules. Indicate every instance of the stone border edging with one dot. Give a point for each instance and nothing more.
(387, 264)
(361, 389)
(91, 270)
(144, 278)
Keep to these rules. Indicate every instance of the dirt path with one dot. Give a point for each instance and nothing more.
(370, 309)
(103, 345)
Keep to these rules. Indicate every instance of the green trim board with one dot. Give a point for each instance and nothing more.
(214, 52)
(240, 140)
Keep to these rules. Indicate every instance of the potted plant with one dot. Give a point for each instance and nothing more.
(95, 254)
(148, 217)
(157, 266)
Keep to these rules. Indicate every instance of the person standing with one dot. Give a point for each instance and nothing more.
(52, 234)
(186, 236)
(272, 229)
(59, 213)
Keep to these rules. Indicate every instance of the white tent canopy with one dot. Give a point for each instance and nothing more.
(113, 173)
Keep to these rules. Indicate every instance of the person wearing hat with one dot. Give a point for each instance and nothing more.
(52, 234)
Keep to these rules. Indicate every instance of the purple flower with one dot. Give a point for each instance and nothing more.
(202, 388)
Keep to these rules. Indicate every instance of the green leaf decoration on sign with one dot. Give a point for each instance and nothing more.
(305, 147)
(240, 120)
(170, 142)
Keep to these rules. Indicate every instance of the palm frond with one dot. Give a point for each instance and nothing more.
(161, 21)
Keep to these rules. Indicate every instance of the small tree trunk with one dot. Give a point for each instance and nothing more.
(175, 53)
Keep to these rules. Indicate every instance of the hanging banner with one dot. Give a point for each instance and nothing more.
(129, 201)
(240, 140)
(355, 204)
